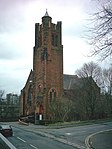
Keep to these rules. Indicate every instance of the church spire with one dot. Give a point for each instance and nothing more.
(46, 14)
(46, 19)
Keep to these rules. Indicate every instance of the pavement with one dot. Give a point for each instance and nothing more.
(95, 141)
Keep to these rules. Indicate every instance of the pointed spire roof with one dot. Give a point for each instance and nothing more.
(46, 14)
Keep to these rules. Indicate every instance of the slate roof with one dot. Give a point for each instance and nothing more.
(69, 81)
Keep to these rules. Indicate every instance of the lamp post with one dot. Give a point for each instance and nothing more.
(2, 112)
(111, 85)
(35, 98)
(35, 119)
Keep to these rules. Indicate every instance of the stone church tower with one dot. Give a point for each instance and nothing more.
(47, 63)
(45, 81)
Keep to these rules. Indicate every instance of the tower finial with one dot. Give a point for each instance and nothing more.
(46, 14)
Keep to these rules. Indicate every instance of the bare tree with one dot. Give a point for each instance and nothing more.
(91, 69)
(107, 75)
(1, 94)
(101, 37)
(59, 108)
(89, 74)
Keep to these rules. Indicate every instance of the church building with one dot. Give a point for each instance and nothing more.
(45, 81)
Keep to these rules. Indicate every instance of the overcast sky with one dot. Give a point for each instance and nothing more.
(17, 22)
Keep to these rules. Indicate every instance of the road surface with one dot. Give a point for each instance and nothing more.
(23, 139)
(77, 137)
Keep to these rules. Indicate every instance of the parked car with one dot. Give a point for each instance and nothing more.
(6, 130)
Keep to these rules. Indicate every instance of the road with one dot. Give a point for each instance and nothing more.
(39, 137)
(79, 135)
(23, 139)
(102, 140)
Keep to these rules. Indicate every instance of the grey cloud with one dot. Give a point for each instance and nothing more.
(9, 52)
(6, 54)
(10, 84)
(12, 14)
(10, 20)
(11, 25)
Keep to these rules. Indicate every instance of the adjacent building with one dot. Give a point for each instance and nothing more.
(12, 99)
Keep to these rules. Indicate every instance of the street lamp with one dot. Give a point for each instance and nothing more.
(111, 85)
(2, 112)
(30, 81)
(35, 110)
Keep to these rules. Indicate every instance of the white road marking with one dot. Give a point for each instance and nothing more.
(68, 133)
(33, 146)
(30, 144)
(21, 139)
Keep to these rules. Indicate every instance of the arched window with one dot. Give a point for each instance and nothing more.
(52, 94)
(29, 99)
(54, 39)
